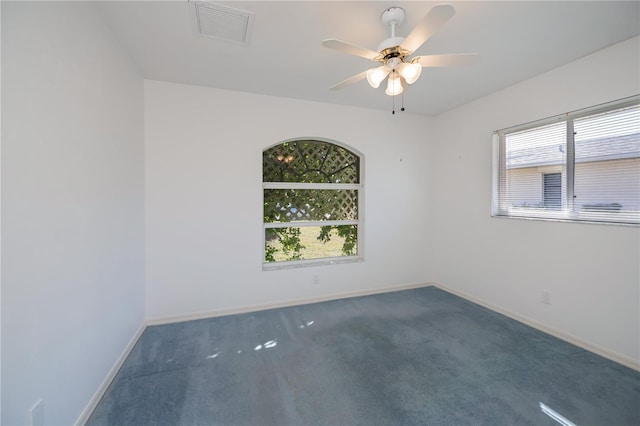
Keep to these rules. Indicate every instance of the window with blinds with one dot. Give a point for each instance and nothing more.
(582, 166)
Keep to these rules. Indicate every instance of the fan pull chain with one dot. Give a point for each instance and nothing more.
(393, 111)
(393, 100)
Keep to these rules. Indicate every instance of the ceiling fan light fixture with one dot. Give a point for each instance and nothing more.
(375, 76)
(410, 71)
(394, 85)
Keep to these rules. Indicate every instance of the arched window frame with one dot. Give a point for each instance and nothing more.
(358, 222)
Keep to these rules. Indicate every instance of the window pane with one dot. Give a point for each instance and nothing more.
(310, 242)
(308, 161)
(288, 205)
(607, 172)
(531, 156)
(553, 190)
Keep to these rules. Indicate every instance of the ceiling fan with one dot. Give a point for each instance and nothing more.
(394, 53)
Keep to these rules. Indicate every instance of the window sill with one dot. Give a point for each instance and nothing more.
(295, 264)
(590, 221)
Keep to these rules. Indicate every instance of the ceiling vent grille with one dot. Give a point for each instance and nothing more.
(223, 22)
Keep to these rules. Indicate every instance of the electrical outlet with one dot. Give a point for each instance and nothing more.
(316, 279)
(546, 297)
(36, 413)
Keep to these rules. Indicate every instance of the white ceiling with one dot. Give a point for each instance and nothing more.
(516, 40)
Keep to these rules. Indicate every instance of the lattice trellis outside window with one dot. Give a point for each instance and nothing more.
(312, 203)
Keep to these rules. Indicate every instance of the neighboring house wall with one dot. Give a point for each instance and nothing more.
(525, 187)
(72, 207)
(591, 271)
(594, 184)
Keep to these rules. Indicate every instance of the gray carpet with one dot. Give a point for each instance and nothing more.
(411, 357)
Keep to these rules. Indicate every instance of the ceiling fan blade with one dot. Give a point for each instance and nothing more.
(429, 25)
(349, 81)
(452, 60)
(349, 48)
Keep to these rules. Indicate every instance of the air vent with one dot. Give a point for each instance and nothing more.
(223, 22)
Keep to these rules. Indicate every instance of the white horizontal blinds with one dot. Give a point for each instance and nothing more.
(533, 177)
(607, 166)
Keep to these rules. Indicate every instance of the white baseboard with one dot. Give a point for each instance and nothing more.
(606, 353)
(97, 396)
(280, 304)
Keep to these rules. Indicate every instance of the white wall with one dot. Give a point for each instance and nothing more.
(72, 207)
(204, 198)
(592, 271)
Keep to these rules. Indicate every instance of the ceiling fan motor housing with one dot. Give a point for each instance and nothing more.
(390, 42)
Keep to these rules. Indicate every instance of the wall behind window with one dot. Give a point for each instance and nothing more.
(72, 207)
(591, 271)
(204, 198)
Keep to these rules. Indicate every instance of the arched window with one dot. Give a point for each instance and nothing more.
(312, 203)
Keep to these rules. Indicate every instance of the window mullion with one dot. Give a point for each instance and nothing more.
(500, 170)
(570, 166)
(503, 174)
(299, 185)
(301, 224)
